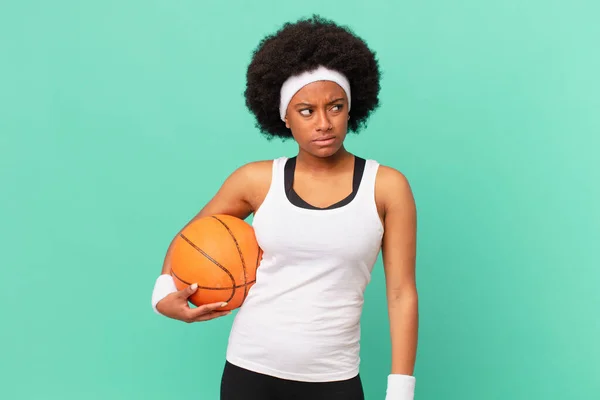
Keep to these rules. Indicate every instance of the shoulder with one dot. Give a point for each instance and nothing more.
(249, 174)
(252, 181)
(393, 188)
(391, 180)
(255, 169)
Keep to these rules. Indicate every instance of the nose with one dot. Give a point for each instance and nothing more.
(323, 123)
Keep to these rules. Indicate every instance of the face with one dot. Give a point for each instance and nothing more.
(317, 115)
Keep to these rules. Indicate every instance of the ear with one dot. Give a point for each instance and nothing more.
(287, 125)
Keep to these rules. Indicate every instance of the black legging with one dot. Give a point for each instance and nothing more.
(240, 384)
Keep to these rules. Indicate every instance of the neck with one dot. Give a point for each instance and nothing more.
(323, 164)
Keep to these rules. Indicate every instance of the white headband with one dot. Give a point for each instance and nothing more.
(294, 83)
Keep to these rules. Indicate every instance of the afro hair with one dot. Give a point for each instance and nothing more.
(302, 46)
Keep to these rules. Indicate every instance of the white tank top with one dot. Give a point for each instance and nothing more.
(301, 319)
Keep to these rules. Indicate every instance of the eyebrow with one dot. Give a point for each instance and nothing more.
(304, 103)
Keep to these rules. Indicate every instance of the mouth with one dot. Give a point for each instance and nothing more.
(325, 140)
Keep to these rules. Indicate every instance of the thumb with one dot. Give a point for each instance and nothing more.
(188, 291)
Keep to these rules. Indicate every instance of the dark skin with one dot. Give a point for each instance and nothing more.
(317, 117)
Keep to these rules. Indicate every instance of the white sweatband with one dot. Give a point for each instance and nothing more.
(163, 286)
(296, 82)
(400, 387)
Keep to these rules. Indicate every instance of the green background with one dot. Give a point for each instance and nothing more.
(120, 119)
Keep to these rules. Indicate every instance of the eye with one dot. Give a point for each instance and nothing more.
(338, 106)
(305, 112)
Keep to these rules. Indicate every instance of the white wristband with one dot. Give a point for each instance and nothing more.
(400, 387)
(163, 286)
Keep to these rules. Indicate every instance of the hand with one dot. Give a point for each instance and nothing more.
(176, 306)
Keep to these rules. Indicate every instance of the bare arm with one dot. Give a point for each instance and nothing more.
(399, 253)
(237, 196)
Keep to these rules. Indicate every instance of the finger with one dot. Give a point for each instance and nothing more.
(207, 308)
(188, 291)
(211, 315)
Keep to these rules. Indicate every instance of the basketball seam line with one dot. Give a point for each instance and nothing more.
(214, 262)
(245, 285)
(257, 256)
(208, 287)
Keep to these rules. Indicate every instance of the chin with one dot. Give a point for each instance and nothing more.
(325, 152)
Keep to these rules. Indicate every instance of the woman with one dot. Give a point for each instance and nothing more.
(321, 218)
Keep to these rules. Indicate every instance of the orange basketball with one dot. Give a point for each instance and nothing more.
(219, 253)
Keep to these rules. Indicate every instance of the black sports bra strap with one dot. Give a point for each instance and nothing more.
(295, 199)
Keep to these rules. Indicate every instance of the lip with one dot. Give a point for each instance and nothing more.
(325, 140)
